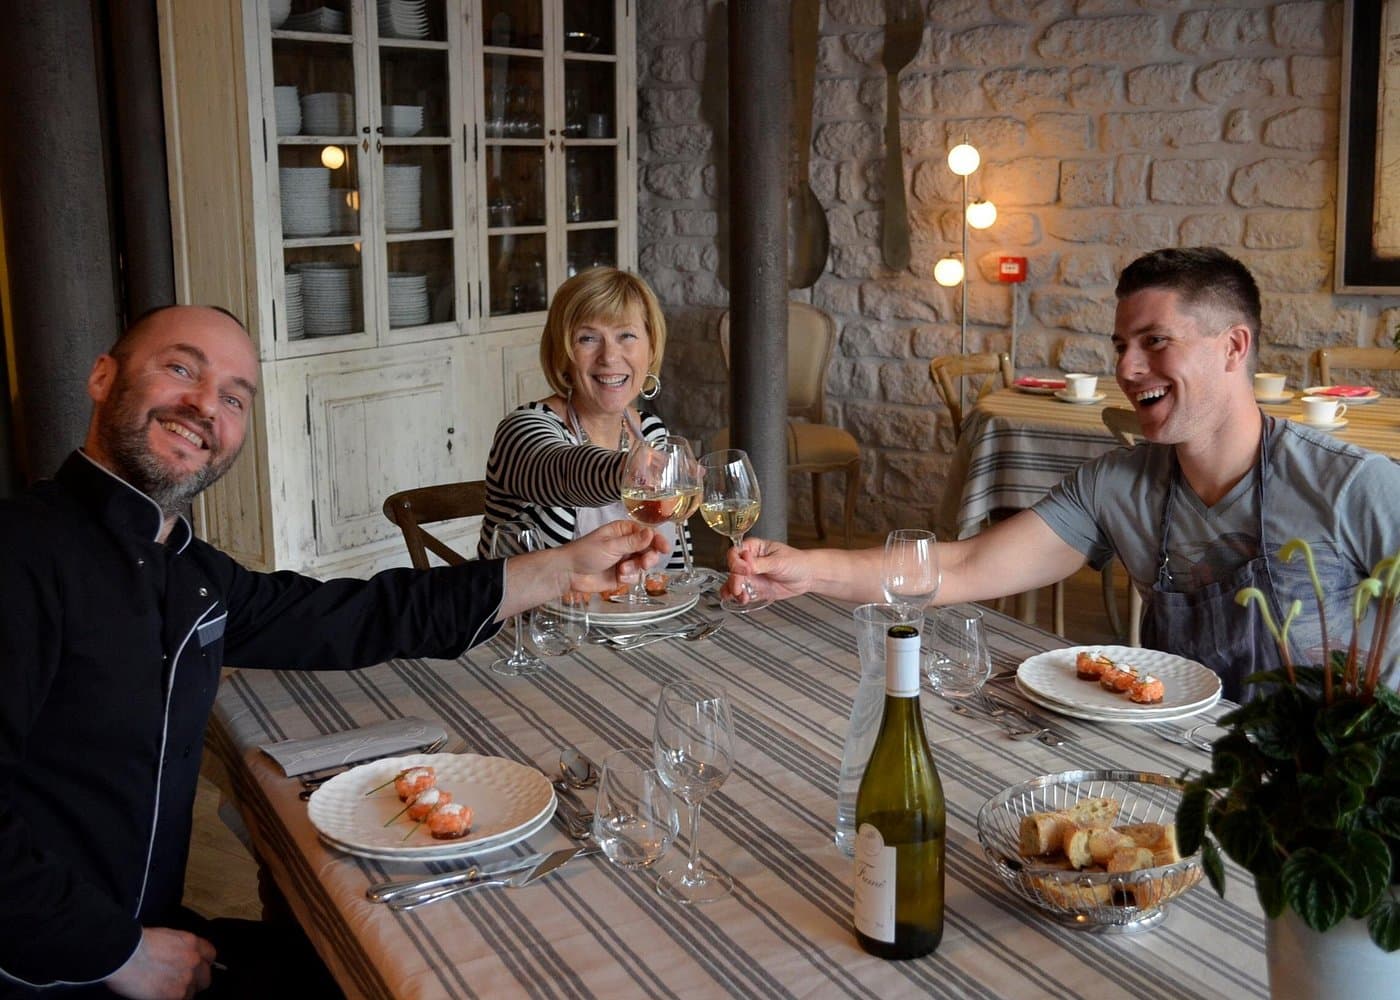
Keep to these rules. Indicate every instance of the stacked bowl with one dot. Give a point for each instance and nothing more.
(296, 317)
(323, 20)
(402, 120)
(403, 19)
(328, 113)
(277, 11)
(328, 297)
(288, 105)
(408, 298)
(306, 208)
(403, 197)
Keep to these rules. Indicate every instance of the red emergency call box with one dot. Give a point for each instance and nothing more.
(1011, 269)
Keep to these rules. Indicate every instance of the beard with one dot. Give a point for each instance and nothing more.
(124, 436)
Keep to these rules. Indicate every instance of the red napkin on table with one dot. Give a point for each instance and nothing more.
(1345, 390)
(1040, 383)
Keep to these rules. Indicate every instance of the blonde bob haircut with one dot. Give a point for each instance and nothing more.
(598, 295)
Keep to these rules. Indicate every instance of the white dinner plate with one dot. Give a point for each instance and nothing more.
(1050, 678)
(607, 614)
(508, 799)
(451, 853)
(1143, 715)
(1064, 397)
(1321, 390)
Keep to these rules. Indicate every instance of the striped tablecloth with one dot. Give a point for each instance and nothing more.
(595, 930)
(1015, 446)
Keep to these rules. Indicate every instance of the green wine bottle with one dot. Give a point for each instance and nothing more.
(900, 820)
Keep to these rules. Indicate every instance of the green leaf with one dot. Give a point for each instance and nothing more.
(1357, 765)
(1366, 860)
(1317, 888)
(1270, 892)
(1191, 818)
(1384, 925)
(1336, 724)
(1243, 835)
(1215, 868)
(1384, 816)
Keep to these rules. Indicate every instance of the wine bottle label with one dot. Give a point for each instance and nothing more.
(874, 885)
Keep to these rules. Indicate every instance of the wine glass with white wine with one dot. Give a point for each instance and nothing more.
(730, 503)
(688, 581)
(654, 479)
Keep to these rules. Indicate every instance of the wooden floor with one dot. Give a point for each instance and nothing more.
(221, 880)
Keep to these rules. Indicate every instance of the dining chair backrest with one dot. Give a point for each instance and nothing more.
(811, 340)
(411, 509)
(984, 372)
(1122, 423)
(1327, 360)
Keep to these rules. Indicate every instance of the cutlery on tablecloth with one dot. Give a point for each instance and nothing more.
(383, 892)
(552, 861)
(313, 781)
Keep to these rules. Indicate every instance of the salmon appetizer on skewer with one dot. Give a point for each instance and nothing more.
(1147, 691)
(1090, 666)
(450, 821)
(413, 781)
(1118, 679)
(426, 801)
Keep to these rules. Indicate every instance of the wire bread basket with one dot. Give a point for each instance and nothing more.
(1124, 902)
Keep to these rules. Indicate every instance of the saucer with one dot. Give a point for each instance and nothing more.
(1334, 425)
(1064, 397)
(1288, 394)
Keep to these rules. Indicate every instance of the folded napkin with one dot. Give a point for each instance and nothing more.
(1040, 383)
(1344, 390)
(382, 739)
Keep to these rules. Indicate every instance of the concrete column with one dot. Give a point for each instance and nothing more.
(760, 120)
(57, 235)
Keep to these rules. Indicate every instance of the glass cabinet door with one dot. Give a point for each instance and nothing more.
(320, 164)
(590, 129)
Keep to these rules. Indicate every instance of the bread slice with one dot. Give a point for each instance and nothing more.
(1043, 833)
(1130, 859)
(1095, 814)
(1103, 844)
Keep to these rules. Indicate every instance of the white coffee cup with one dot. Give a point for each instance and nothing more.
(1323, 409)
(1269, 385)
(1081, 386)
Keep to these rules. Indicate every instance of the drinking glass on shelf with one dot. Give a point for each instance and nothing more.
(960, 662)
(730, 503)
(693, 747)
(689, 581)
(512, 538)
(910, 566)
(559, 626)
(635, 819)
(652, 480)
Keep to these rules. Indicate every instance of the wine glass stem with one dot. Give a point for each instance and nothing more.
(692, 864)
(519, 638)
(736, 541)
(685, 551)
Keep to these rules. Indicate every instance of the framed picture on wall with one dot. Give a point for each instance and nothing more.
(1368, 160)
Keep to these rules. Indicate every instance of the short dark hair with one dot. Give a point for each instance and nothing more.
(1202, 277)
(120, 346)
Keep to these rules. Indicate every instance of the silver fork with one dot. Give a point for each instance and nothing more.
(904, 33)
(314, 780)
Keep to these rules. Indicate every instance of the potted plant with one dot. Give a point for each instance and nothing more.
(1304, 793)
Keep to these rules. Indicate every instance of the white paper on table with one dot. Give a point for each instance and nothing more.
(379, 739)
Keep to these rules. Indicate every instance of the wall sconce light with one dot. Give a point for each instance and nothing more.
(963, 159)
(332, 157)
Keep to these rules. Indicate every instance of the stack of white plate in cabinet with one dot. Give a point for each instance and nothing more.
(401, 120)
(403, 197)
(323, 19)
(408, 298)
(288, 104)
(306, 208)
(402, 19)
(327, 113)
(328, 297)
(296, 317)
(277, 11)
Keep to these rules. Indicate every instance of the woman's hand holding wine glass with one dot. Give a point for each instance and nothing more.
(654, 480)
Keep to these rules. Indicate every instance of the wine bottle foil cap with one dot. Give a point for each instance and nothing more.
(902, 662)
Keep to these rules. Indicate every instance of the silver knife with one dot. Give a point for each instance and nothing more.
(382, 892)
(519, 880)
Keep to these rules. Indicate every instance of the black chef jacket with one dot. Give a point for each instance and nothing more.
(110, 649)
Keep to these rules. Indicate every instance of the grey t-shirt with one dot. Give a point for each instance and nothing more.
(1341, 499)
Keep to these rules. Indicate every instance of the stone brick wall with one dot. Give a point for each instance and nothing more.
(1107, 128)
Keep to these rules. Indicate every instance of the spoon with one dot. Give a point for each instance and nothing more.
(576, 768)
(691, 633)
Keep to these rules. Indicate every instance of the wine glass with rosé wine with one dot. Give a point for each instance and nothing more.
(657, 483)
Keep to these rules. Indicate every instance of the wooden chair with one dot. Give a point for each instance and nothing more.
(1122, 423)
(986, 372)
(411, 509)
(812, 446)
(982, 371)
(1367, 359)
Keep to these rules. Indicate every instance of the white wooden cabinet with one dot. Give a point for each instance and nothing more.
(388, 194)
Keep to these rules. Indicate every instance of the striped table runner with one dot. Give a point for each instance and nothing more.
(1015, 446)
(594, 930)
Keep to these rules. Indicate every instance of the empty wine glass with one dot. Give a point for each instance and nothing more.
(961, 662)
(693, 747)
(558, 626)
(730, 503)
(911, 575)
(688, 581)
(652, 482)
(635, 819)
(512, 538)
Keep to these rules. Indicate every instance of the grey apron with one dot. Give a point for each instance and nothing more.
(1206, 624)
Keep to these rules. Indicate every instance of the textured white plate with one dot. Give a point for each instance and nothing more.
(1320, 390)
(606, 614)
(458, 849)
(1141, 716)
(507, 799)
(1050, 677)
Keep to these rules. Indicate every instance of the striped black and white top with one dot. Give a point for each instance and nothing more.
(540, 472)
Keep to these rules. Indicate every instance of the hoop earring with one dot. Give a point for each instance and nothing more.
(651, 386)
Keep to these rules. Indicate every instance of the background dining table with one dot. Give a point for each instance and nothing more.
(592, 929)
(1015, 445)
